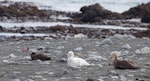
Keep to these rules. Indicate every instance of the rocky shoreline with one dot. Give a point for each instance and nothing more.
(92, 44)
(23, 11)
(99, 16)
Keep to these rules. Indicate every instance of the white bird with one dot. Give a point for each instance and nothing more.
(75, 62)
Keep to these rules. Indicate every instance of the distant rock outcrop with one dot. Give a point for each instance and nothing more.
(146, 18)
(96, 12)
(140, 11)
(21, 10)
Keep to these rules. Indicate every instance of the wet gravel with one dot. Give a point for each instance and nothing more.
(16, 65)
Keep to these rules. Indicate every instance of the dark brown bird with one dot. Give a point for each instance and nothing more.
(122, 64)
(42, 57)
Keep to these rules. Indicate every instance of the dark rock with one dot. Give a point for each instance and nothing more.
(46, 50)
(90, 79)
(42, 57)
(146, 18)
(96, 12)
(1, 29)
(61, 72)
(22, 30)
(138, 11)
(63, 58)
(22, 10)
(95, 7)
(89, 16)
(40, 48)
(144, 33)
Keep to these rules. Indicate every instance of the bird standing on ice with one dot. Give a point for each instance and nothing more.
(122, 64)
(75, 62)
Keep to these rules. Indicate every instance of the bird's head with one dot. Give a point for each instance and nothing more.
(114, 55)
(70, 54)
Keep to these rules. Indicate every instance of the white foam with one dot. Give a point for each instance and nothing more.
(20, 35)
(48, 24)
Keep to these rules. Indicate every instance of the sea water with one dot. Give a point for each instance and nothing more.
(75, 5)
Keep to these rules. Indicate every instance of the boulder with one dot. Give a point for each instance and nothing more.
(96, 12)
(138, 11)
(146, 18)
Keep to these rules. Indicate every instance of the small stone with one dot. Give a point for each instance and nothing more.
(114, 77)
(89, 79)
(145, 50)
(96, 57)
(112, 72)
(61, 72)
(106, 41)
(41, 72)
(124, 52)
(119, 36)
(126, 46)
(36, 76)
(142, 70)
(29, 80)
(100, 79)
(137, 51)
(100, 65)
(63, 58)
(16, 72)
(131, 75)
(40, 48)
(123, 78)
(130, 37)
(44, 62)
(130, 80)
(6, 61)
(44, 79)
(12, 56)
(15, 80)
(78, 49)
(136, 79)
(51, 73)
(60, 47)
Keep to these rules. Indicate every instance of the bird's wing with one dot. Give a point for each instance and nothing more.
(82, 62)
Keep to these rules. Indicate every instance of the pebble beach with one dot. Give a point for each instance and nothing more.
(17, 65)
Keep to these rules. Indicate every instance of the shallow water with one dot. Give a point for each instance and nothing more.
(75, 5)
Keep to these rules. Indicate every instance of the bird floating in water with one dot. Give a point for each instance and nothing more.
(75, 62)
(42, 57)
(122, 64)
